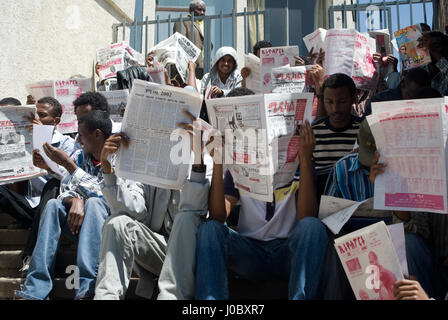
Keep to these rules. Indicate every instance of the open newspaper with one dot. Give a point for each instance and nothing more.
(289, 79)
(117, 57)
(409, 136)
(273, 58)
(315, 40)
(179, 51)
(117, 100)
(370, 262)
(65, 91)
(150, 119)
(410, 54)
(16, 149)
(261, 138)
(350, 52)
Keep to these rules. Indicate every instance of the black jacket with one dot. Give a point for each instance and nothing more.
(126, 77)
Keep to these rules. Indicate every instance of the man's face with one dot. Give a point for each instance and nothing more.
(226, 64)
(45, 113)
(83, 110)
(338, 104)
(89, 141)
(199, 10)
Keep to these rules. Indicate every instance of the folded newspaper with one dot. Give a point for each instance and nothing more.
(177, 50)
(16, 148)
(370, 262)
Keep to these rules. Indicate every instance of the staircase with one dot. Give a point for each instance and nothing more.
(13, 241)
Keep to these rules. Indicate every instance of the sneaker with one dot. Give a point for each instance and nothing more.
(26, 265)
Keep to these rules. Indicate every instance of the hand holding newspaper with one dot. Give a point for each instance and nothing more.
(41, 135)
(370, 262)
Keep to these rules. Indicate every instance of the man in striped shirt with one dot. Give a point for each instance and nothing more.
(336, 133)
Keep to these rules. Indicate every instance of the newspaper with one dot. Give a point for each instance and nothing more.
(177, 50)
(117, 100)
(253, 81)
(289, 79)
(117, 57)
(149, 121)
(370, 262)
(261, 141)
(350, 52)
(335, 212)
(315, 40)
(65, 91)
(275, 57)
(383, 42)
(16, 150)
(407, 41)
(409, 137)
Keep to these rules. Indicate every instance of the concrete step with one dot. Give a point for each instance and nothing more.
(16, 239)
(5, 220)
(59, 292)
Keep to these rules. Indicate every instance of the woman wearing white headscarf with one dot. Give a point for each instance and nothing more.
(223, 76)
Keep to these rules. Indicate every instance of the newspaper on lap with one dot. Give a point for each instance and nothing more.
(16, 148)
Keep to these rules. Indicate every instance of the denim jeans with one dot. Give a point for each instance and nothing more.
(38, 283)
(299, 258)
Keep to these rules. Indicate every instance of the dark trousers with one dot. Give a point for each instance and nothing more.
(16, 206)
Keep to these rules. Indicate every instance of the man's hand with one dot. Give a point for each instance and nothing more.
(394, 61)
(75, 215)
(33, 119)
(39, 162)
(317, 76)
(111, 146)
(312, 56)
(245, 72)
(320, 58)
(215, 92)
(299, 61)
(376, 168)
(409, 290)
(307, 142)
(59, 157)
(193, 128)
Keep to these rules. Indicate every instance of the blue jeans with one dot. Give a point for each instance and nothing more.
(38, 283)
(299, 258)
(425, 265)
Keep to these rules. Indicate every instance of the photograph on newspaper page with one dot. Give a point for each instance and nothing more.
(177, 50)
(285, 113)
(409, 137)
(117, 100)
(370, 262)
(149, 121)
(16, 148)
(350, 52)
(243, 122)
(275, 57)
(253, 81)
(410, 54)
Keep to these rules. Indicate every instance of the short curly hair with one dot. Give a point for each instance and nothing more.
(96, 100)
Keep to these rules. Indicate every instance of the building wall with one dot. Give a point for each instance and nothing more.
(47, 39)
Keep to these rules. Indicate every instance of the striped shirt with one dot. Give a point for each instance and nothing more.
(348, 179)
(332, 143)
